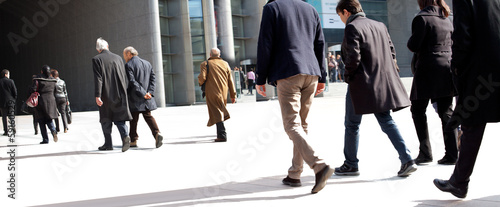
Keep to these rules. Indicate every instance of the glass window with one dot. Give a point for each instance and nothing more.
(198, 43)
(197, 60)
(238, 26)
(239, 50)
(168, 79)
(165, 44)
(197, 26)
(195, 8)
(236, 7)
(162, 4)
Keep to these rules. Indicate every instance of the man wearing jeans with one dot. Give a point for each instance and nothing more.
(291, 57)
(374, 84)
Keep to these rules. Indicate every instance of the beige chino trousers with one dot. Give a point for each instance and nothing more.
(295, 95)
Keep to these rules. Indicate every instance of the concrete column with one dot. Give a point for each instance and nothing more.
(225, 27)
(157, 61)
(209, 26)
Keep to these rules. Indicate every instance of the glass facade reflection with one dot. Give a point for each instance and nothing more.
(197, 41)
(165, 48)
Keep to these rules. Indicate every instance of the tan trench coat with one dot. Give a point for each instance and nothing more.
(219, 81)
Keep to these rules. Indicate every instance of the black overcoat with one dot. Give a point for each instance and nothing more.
(476, 60)
(370, 70)
(8, 92)
(47, 107)
(431, 43)
(110, 80)
(141, 77)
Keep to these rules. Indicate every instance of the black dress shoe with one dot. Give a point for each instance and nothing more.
(321, 178)
(422, 160)
(44, 142)
(103, 148)
(445, 186)
(447, 161)
(220, 140)
(292, 182)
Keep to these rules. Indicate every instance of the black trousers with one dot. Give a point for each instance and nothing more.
(470, 143)
(5, 112)
(221, 130)
(444, 108)
(61, 107)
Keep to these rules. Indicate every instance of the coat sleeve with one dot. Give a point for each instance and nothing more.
(462, 35)
(351, 51)
(136, 87)
(152, 81)
(319, 50)
(97, 77)
(202, 77)
(232, 89)
(418, 30)
(265, 45)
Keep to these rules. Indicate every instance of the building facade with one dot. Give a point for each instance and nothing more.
(174, 35)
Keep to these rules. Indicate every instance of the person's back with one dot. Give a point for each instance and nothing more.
(300, 46)
(8, 92)
(218, 76)
(144, 82)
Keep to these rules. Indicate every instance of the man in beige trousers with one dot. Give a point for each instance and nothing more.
(291, 57)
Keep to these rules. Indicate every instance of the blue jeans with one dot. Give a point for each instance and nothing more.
(106, 129)
(351, 138)
(43, 129)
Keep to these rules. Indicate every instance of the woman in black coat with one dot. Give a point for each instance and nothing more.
(431, 43)
(46, 110)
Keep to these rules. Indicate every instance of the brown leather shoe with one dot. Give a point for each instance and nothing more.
(220, 140)
(133, 144)
(321, 178)
(292, 182)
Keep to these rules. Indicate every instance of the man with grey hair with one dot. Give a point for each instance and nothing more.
(8, 96)
(111, 94)
(141, 88)
(218, 79)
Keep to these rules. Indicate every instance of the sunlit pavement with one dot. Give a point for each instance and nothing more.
(191, 170)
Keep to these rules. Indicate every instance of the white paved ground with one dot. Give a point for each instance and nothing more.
(191, 170)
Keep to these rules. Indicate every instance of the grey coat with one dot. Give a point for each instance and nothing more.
(370, 70)
(47, 107)
(110, 80)
(431, 43)
(141, 77)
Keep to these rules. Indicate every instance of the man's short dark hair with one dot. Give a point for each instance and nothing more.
(352, 6)
(4, 72)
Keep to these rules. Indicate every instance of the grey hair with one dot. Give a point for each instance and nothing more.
(215, 52)
(131, 50)
(101, 44)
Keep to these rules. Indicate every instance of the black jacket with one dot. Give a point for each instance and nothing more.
(476, 60)
(291, 42)
(431, 43)
(110, 80)
(8, 92)
(61, 89)
(141, 77)
(370, 70)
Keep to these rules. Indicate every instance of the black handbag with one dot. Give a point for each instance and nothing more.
(203, 85)
(68, 115)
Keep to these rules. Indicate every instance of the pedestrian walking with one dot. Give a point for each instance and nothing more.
(141, 89)
(291, 56)
(8, 96)
(62, 100)
(432, 79)
(250, 81)
(110, 79)
(216, 74)
(476, 64)
(46, 110)
(374, 85)
(340, 68)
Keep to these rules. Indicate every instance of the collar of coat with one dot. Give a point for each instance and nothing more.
(354, 16)
(214, 58)
(431, 11)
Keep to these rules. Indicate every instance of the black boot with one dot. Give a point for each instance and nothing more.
(221, 132)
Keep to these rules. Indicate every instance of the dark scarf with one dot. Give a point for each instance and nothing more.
(353, 16)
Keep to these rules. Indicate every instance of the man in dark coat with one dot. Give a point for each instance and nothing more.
(141, 88)
(374, 84)
(291, 56)
(8, 96)
(475, 61)
(111, 83)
